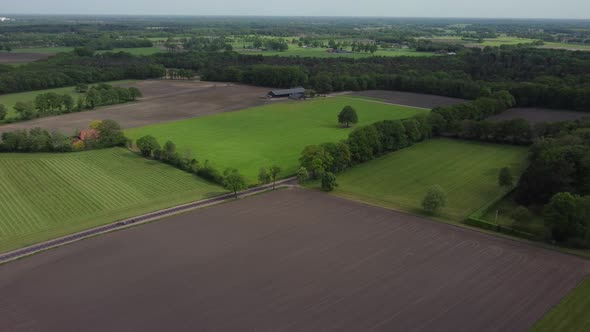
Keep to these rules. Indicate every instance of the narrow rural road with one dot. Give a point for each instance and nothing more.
(30, 250)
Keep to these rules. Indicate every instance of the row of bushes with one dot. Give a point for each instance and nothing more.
(108, 133)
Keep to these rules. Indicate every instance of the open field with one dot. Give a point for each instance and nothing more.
(571, 314)
(43, 196)
(9, 100)
(320, 52)
(271, 134)
(162, 101)
(46, 50)
(467, 171)
(409, 98)
(137, 50)
(507, 40)
(537, 115)
(567, 46)
(9, 58)
(291, 260)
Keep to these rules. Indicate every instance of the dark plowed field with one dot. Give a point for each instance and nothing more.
(162, 101)
(6, 57)
(292, 260)
(537, 115)
(410, 99)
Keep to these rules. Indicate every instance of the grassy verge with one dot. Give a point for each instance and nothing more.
(571, 315)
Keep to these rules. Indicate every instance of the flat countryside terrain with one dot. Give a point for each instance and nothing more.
(43, 196)
(290, 260)
(467, 171)
(270, 134)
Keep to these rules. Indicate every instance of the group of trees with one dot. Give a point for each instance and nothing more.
(207, 44)
(67, 69)
(558, 163)
(567, 217)
(105, 94)
(364, 144)
(109, 134)
(535, 77)
(51, 103)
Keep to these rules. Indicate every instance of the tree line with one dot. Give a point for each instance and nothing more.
(535, 77)
(51, 103)
(108, 134)
(67, 69)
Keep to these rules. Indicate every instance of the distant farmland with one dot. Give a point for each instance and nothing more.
(43, 196)
(467, 171)
(272, 134)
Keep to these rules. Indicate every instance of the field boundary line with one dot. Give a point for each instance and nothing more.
(138, 220)
(383, 102)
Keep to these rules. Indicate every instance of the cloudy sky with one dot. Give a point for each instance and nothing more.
(392, 8)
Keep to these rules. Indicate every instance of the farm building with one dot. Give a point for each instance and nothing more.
(298, 91)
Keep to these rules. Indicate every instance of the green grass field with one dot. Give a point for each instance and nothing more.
(571, 315)
(321, 53)
(467, 171)
(270, 134)
(134, 51)
(43, 50)
(9, 100)
(43, 196)
(137, 50)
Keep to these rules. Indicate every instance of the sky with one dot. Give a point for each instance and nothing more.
(575, 9)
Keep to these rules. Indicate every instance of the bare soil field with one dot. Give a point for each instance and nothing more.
(291, 260)
(537, 115)
(409, 98)
(7, 57)
(162, 101)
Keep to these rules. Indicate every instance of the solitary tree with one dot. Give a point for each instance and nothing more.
(434, 200)
(302, 175)
(263, 176)
(134, 93)
(233, 180)
(273, 172)
(505, 178)
(329, 181)
(347, 116)
(147, 145)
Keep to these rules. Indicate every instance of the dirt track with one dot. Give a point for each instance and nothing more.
(6, 57)
(537, 115)
(410, 99)
(163, 101)
(291, 260)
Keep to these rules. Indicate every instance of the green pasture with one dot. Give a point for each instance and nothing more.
(571, 315)
(44, 196)
(467, 171)
(270, 134)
